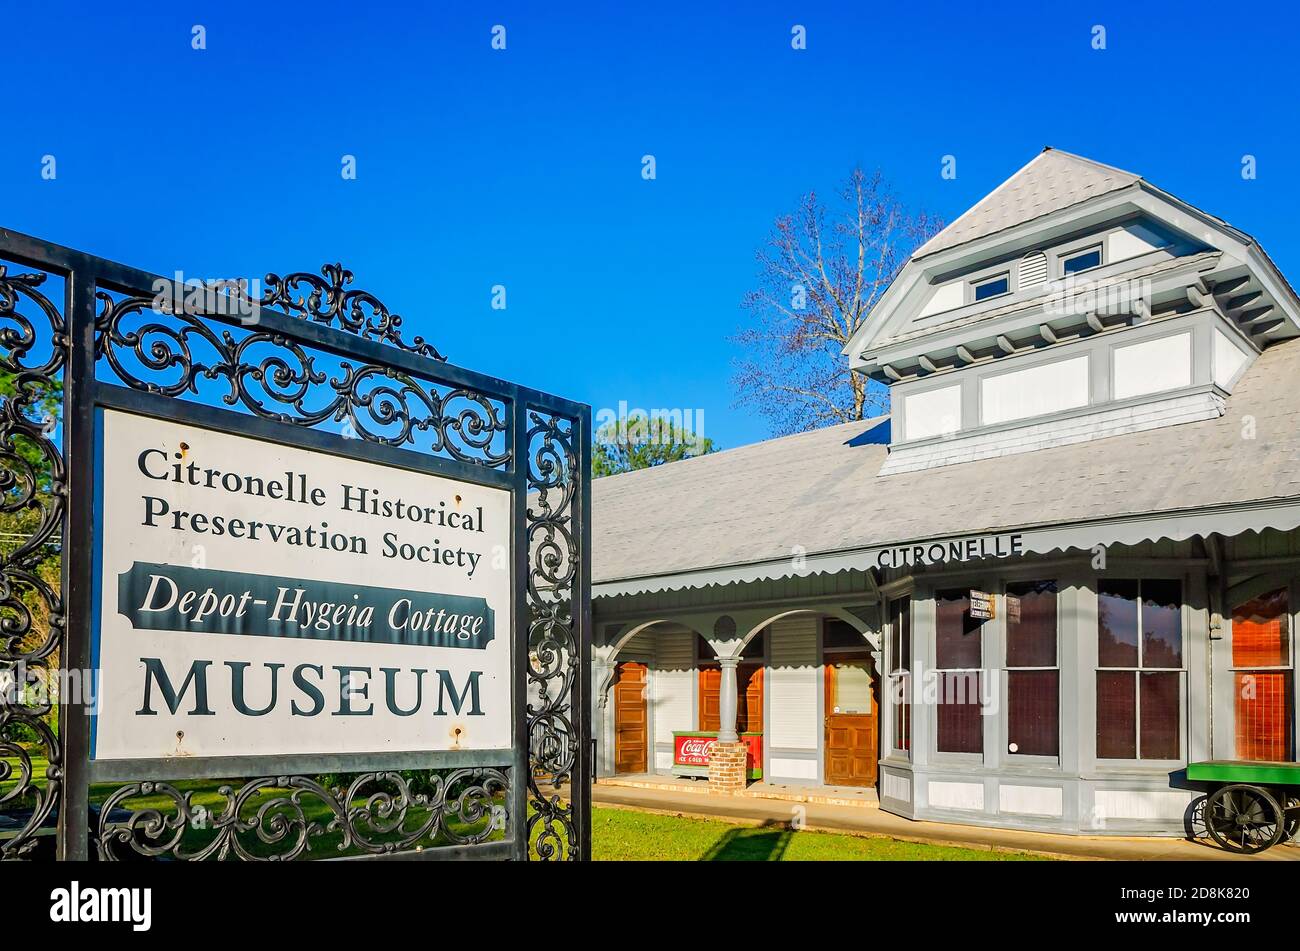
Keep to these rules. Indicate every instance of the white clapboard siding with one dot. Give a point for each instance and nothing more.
(642, 645)
(793, 671)
(674, 679)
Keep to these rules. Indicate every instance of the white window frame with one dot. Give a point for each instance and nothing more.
(1069, 256)
(1138, 761)
(1264, 588)
(982, 672)
(897, 678)
(1029, 759)
(976, 284)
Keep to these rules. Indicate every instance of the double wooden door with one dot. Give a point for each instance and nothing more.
(852, 720)
(631, 739)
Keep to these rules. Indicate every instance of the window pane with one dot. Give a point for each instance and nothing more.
(1031, 642)
(1162, 624)
(1081, 262)
(1160, 715)
(1264, 705)
(991, 288)
(960, 728)
(1032, 714)
(1116, 715)
(1261, 632)
(1117, 624)
(905, 633)
(901, 699)
(851, 686)
(900, 635)
(957, 635)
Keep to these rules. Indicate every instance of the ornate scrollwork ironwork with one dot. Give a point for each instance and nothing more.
(554, 659)
(273, 818)
(173, 353)
(33, 489)
(328, 301)
(154, 345)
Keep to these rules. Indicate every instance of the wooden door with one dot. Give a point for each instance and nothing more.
(710, 698)
(852, 721)
(749, 700)
(749, 714)
(631, 739)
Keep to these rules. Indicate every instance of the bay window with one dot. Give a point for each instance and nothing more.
(1262, 676)
(959, 722)
(1033, 674)
(1139, 669)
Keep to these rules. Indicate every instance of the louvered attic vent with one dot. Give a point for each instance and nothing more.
(1033, 269)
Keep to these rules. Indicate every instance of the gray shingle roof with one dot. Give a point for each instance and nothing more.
(1052, 181)
(820, 490)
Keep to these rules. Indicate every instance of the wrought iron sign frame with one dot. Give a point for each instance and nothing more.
(114, 341)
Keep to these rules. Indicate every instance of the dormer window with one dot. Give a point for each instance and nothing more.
(991, 287)
(1079, 261)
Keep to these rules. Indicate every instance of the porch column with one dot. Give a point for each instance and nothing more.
(727, 758)
(727, 701)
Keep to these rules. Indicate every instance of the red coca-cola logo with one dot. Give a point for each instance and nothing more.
(695, 747)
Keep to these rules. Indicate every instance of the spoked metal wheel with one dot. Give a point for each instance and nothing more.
(1244, 819)
(1291, 825)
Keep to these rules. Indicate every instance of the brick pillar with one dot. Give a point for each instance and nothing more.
(727, 767)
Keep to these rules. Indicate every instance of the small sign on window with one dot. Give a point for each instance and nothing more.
(983, 606)
(1013, 609)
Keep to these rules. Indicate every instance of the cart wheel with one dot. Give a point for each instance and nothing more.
(1292, 824)
(1244, 819)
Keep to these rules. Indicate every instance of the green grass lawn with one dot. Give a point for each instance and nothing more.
(622, 835)
(617, 834)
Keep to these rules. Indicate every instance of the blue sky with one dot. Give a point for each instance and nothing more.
(522, 167)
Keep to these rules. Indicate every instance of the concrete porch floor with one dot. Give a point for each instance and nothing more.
(685, 797)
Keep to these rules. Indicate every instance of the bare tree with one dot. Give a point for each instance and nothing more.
(819, 275)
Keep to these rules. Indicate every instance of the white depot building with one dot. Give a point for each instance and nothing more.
(1062, 569)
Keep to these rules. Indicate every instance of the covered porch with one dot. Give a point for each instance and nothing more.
(785, 670)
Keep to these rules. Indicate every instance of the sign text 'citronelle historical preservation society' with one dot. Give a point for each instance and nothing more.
(258, 599)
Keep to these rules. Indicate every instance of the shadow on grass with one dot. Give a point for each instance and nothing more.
(765, 843)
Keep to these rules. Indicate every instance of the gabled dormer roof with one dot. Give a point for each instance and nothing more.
(1052, 181)
(928, 317)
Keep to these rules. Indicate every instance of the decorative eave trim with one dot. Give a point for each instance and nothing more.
(1227, 520)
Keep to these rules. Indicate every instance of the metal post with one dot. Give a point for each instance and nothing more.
(78, 433)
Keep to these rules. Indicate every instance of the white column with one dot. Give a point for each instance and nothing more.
(727, 701)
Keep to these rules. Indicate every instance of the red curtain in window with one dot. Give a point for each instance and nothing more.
(1264, 707)
(959, 721)
(1264, 699)
(1116, 715)
(1159, 698)
(1032, 714)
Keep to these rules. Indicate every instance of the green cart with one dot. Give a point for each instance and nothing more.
(1251, 806)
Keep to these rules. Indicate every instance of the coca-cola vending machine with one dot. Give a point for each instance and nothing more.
(691, 753)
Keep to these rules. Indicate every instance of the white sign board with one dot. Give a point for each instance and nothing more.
(982, 606)
(260, 599)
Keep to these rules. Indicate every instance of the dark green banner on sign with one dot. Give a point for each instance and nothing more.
(204, 600)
